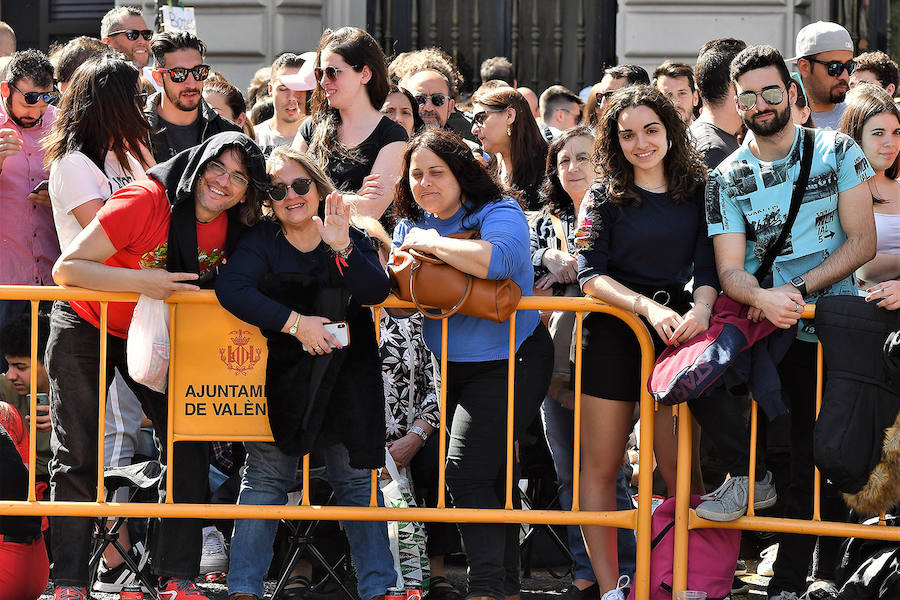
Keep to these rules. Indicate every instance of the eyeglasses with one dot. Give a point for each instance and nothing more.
(436, 99)
(332, 72)
(132, 34)
(835, 67)
(479, 117)
(278, 191)
(51, 97)
(180, 74)
(773, 95)
(218, 169)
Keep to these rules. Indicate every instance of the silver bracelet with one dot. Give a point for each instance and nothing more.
(634, 303)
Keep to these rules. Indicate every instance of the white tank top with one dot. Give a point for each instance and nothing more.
(888, 228)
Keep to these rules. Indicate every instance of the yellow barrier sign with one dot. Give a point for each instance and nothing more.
(220, 375)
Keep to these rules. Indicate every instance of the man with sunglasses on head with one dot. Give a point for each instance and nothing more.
(748, 200)
(179, 116)
(123, 28)
(28, 243)
(825, 62)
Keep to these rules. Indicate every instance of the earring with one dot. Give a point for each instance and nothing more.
(670, 144)
(509, 131)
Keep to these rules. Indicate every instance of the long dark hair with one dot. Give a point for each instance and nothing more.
(358, 49)
(99, 113)
(526, 143)
(863, 102)
(683, 167)
(477, 185)
(418, 123)
(554, 197)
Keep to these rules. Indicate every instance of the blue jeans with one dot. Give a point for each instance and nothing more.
(268, 475)
(559, 427)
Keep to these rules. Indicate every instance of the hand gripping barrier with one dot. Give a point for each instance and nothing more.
(207, 341)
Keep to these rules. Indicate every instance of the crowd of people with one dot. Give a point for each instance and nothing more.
(128, 163)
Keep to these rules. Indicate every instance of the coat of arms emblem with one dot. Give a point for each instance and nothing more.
(240, 356)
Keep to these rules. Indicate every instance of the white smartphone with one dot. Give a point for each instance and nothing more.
(340, 331)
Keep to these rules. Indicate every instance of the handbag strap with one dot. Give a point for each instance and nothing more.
(438, 315)
(765, 266)
(560, 235)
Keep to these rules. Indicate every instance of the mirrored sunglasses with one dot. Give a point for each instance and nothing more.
(180, 74)
(278, 191)
(772, 95)
(51, 97)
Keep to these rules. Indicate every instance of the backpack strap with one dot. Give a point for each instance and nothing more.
(765, 266)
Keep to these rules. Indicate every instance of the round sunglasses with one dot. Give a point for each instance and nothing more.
(278, 191)
(332, 72)
(436, 99)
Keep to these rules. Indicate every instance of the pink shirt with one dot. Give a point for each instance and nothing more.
(28, 242)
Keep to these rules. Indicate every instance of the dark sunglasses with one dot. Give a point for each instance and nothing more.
(601, 96)
(772, 95)
(436, 99)
(51, 97)
(132, 34)
(835, 67)
(479, 117)
(278, 191)
(180, 74)
(332, 72)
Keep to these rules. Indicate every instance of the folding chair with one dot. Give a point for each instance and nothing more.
(139, 478)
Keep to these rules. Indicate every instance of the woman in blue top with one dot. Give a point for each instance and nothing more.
(641, 237)
(444, 190)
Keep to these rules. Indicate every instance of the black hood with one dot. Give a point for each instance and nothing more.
(179, 175)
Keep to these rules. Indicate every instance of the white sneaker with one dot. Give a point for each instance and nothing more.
(768, 557)
(619, 592)
(214, 558)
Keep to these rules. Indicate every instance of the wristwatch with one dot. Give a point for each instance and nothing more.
(293, 328)
(799, 283)
(419, 432)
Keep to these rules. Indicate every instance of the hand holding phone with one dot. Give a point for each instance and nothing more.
(340, 331)
(44, 185)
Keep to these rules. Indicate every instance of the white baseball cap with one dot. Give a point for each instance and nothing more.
(305, 78)
(821, 36)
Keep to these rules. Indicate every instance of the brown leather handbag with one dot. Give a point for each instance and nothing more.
(429, 282)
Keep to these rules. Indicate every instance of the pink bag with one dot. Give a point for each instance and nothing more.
(712, 555)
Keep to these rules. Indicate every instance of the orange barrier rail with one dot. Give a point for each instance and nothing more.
(183, 425)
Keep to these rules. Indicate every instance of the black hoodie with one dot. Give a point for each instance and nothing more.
(179, 176)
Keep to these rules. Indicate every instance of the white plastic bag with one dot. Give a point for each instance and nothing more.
(407, 538)
(148, 344)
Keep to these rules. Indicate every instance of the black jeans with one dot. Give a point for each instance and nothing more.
(73, 366)
(476, 454)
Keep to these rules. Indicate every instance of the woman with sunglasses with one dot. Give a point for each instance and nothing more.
(641, 237)
(445, 190)
(300, 269)
(347, 133)
(873, 120)
(401, 108)
(506, 128)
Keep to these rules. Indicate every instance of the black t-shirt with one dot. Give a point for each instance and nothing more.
(182, 137)
(347, 175)
(713, 144)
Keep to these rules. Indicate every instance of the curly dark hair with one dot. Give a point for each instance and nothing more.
(477, 185)
(553, 196)
(683, 166)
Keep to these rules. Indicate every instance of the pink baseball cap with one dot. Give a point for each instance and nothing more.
(305, 78)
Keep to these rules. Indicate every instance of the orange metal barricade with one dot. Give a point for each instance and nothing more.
(196, 316)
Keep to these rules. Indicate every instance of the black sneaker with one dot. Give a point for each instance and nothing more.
(592, 592)
(113, 580)
(739, 587)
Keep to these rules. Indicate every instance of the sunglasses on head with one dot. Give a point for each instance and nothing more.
(132, 34)
(51, 97)
(835, 67)
(436, 99)
(278, 191)
(772, 95)
(180, 74)
(479, 117)
(332, 72)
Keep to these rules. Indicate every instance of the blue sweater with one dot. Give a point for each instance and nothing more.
(503, 224)
(264, 249)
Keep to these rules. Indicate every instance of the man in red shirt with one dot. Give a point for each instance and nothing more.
(164, 234)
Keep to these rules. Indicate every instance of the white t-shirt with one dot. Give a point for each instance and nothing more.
(75, 179)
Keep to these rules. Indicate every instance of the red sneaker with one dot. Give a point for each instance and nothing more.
(180, 589)
(69, 592)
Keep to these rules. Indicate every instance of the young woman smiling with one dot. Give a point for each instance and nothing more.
(641, 237)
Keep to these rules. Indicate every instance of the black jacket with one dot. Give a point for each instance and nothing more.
(211, 124)
(857, 434)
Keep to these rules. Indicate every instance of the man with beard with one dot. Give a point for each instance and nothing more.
(825, 62)
(288, 89)
(747, 199)
(123, 28)
(179, 117)
(28, 243)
